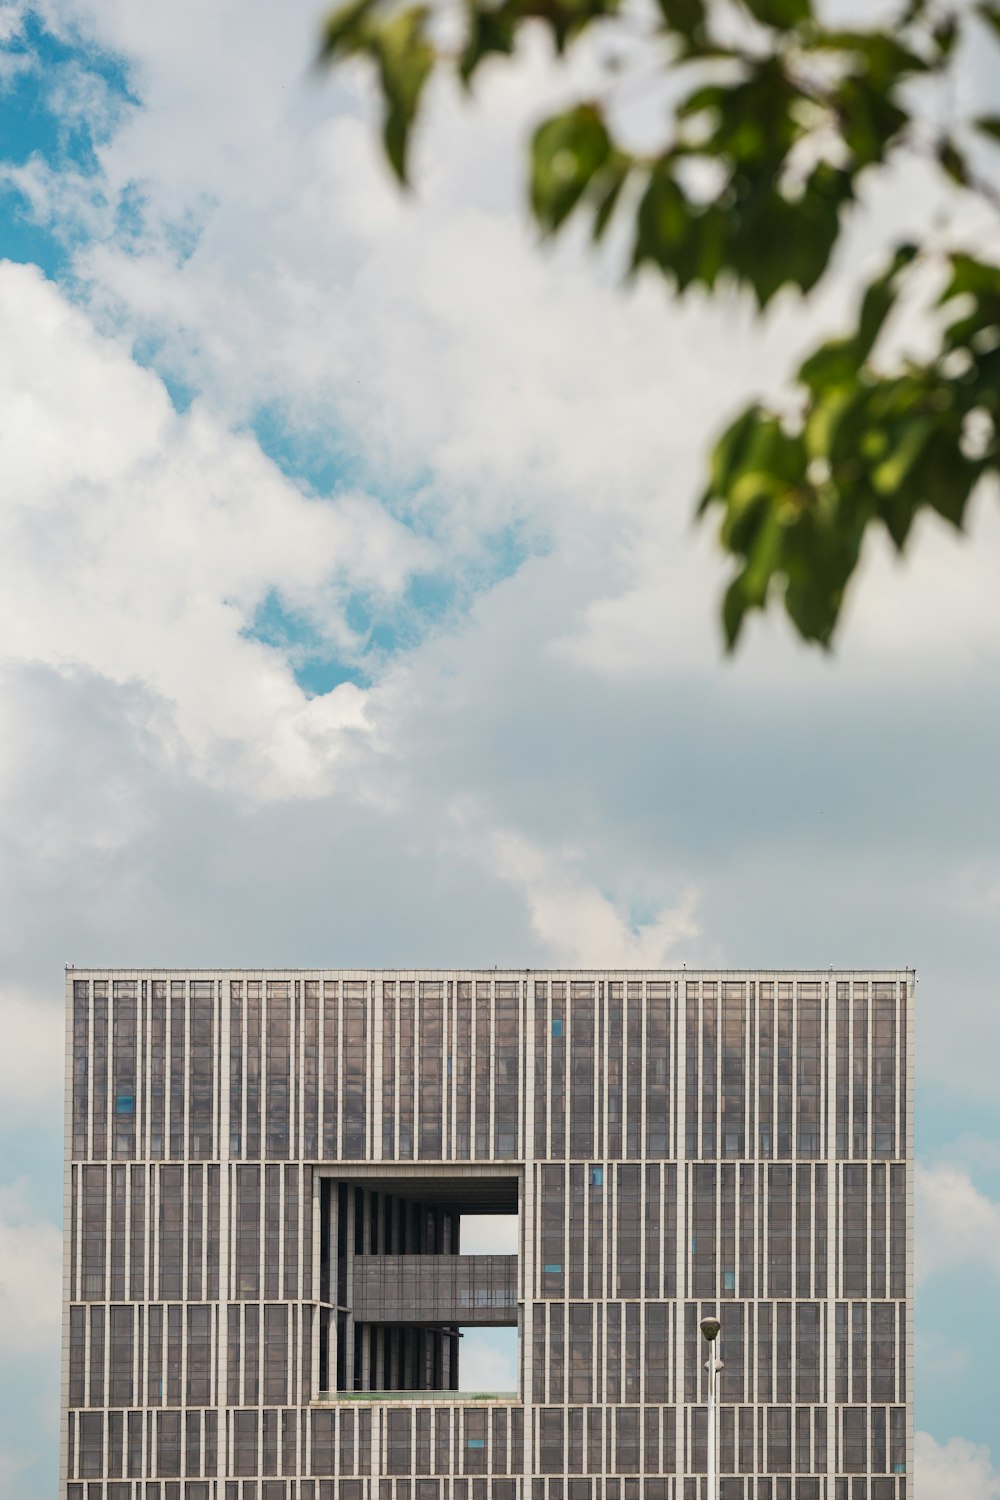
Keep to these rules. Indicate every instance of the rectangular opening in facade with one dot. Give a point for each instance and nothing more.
(397, 1287)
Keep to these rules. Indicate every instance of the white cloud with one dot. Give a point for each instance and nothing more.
(30, 1275)
(954, 1470)
(480, 382)
(580, 925)
(139, 544)
(957, 1224)
(487, 1360)
(432, 333)
(11, 19)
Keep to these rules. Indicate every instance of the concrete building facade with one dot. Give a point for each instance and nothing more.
(266, 1174)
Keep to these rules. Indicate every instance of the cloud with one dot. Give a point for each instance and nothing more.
(12, 18)
(954, 1470)
(306, 281)
(957, 1225)
(30, 1275)
(577, 923)
(479, 384)
(140, 544)
(487, 1360)
(270, 263)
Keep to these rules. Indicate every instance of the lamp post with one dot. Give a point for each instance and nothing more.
(710, 1328)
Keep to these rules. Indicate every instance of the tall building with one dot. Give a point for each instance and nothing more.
(266, 1178)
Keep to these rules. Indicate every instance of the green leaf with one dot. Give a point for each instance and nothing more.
(832, 412)
(709, 96)
(947, 479)
(666, 228)
(945, 36)
(886, 59)
(728, 455)
(565, 18)
(755, 126)
(612, 180)
(989, 125)
(879, 299)
(990, 14)
(686, 17)
(813, 607)
(734, 607)
(888, 475)
(833, 364)
(405, 60)
(869, 119)
(780, 14)
(764, 553)
(492, 31)
(953, 162)
(343, 30)
(971, 277)
(566, 153)
(780, 241)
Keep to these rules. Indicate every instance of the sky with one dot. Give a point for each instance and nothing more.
(352, 613)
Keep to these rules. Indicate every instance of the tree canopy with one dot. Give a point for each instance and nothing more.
(772, 118)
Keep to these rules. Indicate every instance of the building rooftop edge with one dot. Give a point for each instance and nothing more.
(496, 969)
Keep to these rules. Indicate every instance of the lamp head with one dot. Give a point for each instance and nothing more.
(710, 1328)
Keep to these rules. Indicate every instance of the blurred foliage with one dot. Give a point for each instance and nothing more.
(771, 118)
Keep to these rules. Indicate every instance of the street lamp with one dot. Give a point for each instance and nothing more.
(710, 1328)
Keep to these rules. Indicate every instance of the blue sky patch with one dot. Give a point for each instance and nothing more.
(381, 628)
(315, 667)
(34, 117)
(25, 241)
(322, 462)
(47, 115)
